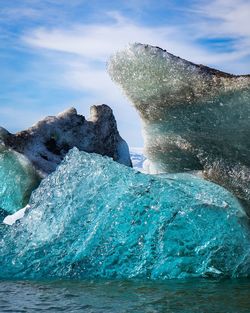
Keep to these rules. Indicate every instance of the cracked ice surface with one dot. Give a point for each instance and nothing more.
(94, 217)
(194, 117)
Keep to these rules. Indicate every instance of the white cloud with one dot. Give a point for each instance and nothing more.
(225, 18)
(233, 15)
(97, 41)
(83, 49)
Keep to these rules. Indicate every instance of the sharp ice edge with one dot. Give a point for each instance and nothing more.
(29, 155)
(96, 218)
(194, 118)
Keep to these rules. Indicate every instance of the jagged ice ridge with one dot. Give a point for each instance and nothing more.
(194, 118)
(28, 156)
(93, 217)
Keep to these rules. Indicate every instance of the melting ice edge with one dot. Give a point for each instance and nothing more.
(94, 217)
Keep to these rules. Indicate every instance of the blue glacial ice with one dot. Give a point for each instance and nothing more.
(93, 217)
(17, 180)
(194, 117)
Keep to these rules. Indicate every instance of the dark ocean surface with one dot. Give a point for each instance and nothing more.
(126, 296)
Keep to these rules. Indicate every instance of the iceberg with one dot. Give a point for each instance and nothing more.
(94, 217)
(47, 142)
(195, 118)
(137, 158)
(18, 178)
(12, 218)
(28, 156)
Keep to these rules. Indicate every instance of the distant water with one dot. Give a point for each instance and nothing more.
(189, 296)
(131, 296)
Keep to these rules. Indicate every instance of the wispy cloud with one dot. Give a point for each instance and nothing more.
(231, 17)
(19, 13)
(83, 49)
(72, 49)
(97, 41)
(225, 19)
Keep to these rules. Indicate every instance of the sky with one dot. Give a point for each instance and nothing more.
(53, 53)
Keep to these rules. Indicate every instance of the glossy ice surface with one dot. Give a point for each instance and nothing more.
(17, 180)
(194, 117)
(96, 218)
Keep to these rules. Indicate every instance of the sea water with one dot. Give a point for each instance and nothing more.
(216, 218)
(130, 296)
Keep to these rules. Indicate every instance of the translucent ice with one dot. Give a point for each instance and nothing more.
(194, 117)
(96, 218)
(17, 180)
